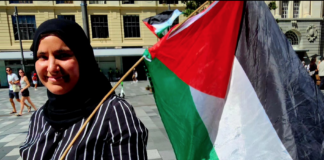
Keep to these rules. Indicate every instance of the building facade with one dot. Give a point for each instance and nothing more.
(302, 23)
(116, 31)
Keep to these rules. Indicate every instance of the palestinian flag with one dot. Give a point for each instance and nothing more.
(160, 23)
(229, 86)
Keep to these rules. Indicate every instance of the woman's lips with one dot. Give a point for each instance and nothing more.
(55, 78)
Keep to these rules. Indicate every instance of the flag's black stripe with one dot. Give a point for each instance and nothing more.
(159, 18)
(289, 96)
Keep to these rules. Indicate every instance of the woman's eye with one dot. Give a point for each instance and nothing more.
(63, 56)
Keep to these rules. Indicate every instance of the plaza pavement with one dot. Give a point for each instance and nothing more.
(13, 129)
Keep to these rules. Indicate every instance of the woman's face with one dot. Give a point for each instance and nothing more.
(56, 65)
(21, 73)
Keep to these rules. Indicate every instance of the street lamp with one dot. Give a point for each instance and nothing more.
(84, 11)
(18, 31)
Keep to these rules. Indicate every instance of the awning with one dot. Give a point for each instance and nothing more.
(301, 50)
(97, 52)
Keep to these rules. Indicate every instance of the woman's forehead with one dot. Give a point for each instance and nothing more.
(52, 43)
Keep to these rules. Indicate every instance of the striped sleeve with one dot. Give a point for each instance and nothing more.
(127, 135)
(32, 132)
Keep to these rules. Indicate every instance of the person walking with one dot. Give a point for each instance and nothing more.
(110, 74)
(13, 81)
(35, 81)
(321, 73)
(117, 74)
(313, 69)
(134, 77)
(24, 83)
(63, 59)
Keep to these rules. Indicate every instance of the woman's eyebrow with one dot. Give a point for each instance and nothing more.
(63, 51)
(41, 53)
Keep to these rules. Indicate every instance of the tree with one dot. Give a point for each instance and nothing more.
(272, 5)
(191, 6)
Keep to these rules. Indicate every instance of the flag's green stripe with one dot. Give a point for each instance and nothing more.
(161, 33)
(185, 128)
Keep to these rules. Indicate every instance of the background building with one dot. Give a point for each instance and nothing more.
(302, 23)
(116, 31)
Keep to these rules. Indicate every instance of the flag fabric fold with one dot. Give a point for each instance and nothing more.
(229, 86)
(160, 24)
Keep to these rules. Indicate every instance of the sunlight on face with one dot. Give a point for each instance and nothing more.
(56, 65)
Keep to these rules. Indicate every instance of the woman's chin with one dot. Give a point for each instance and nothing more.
(58, 90)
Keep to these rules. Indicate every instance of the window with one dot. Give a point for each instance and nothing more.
(131, 26)
(99, 26)
(67, 17)
(97, 2)
(128, 2)
(292, 37)
(284, 9)
(10, 2)
(27, 26)
(64, 2)
(168, 2)
(296, 9)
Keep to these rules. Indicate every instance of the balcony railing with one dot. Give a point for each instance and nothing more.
(15, 2)
(128, 2)
(97, 2)
(64, 2)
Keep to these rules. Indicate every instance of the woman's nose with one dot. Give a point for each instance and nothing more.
(52, 66)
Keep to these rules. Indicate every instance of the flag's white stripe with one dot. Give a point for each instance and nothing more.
(192, 20)
(210, 110)
(159, 27)
(245, 131)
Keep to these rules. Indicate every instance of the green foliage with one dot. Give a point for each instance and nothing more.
(272, 5)
(191, 6)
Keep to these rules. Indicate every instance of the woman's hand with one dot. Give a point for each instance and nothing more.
(22, 90)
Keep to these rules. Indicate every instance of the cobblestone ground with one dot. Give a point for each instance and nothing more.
(13, 129)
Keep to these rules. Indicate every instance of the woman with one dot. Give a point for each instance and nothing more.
(24, 83)
(63, 60)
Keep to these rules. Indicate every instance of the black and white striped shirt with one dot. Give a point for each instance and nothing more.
(113, 133)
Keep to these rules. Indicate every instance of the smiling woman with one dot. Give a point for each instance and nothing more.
(65, 64)
(57, 65)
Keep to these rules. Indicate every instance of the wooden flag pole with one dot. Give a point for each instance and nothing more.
(113, 89)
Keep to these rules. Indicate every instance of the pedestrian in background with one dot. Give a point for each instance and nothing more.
(13, 81)
(117, 74)
(24, 84)
(35, 81)
(134, 77)
(110, 74)
(321, 73)
(313, 69)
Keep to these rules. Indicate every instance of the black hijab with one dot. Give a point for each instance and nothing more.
(62, 111)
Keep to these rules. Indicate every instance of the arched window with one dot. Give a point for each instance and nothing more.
(292, 37)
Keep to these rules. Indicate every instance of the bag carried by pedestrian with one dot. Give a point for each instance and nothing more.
(15, 88)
